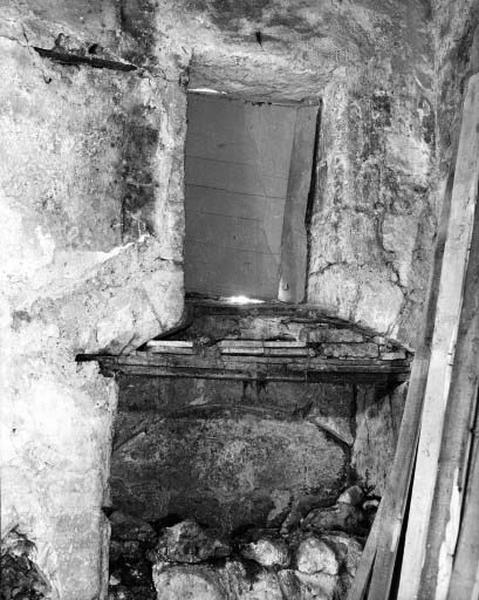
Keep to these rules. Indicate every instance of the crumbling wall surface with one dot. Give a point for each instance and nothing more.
(90, 186)
(230, 454)
(272, 49)
(387, 150)
(92, 216)
(457, 57)
(374, 212)
(378, 419)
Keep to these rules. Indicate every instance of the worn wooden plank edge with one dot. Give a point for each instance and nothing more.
(396, 494)
(293, 264)
(464, 581)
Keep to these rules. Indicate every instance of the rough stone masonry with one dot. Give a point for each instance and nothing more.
(91, 204)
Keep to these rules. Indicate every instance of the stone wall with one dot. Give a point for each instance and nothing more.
(457, 57)
(91, 206)
(374, 211)
(91, 261)
(387, 150)
(228, 453)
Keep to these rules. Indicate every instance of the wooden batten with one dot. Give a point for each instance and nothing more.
(287, 345)
(260, 348)
(170, 347)
(464, 580)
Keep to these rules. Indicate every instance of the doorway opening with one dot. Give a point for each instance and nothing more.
(248, 172)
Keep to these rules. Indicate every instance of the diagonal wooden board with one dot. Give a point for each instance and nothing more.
(456, 449)
(464, 582)
(443, 344)
(294, 239)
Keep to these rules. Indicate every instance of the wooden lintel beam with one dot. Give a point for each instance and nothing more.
(254, 368)
(294, 237)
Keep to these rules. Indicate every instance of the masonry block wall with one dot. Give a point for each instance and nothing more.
(91, 205)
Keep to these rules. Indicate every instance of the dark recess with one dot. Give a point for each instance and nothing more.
(311, 195)
(65, 58)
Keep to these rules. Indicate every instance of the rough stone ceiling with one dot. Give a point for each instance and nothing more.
(292, 49)
(265, 49)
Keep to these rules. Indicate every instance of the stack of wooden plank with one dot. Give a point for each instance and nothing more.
(424, 543)
(263, 348)
(237, 363)
(170, 347)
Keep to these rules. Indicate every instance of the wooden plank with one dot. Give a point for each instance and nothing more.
(378, 562)
(260, 344)
(209, 359)
(285, 344)
(289, 352)
(292, 284)
(238, 233)
(252, 367)
(169, 344)
(234, 204)
(224, 128)
(464, 582)
(234, 147)
(380, 378)
(396, 495)
(456, 444)
(260, 347)
(247, 351)
(211, 143)
(240, 344)
(234, 177)
(170, 347)
(443, 344)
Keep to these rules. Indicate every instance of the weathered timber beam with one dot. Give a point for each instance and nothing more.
(253, 368)
(294, 238)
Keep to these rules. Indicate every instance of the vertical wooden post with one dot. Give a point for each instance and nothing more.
(464, 581)
(292, 282)
(444, 341)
